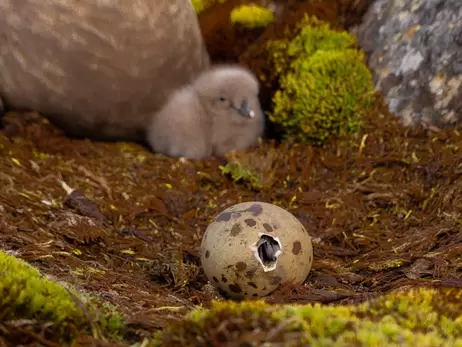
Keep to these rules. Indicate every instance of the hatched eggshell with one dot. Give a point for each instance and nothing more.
(229, 250)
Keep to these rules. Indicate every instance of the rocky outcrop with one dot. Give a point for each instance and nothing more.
(97, 68)
(415, 53)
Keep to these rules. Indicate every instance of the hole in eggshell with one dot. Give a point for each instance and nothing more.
(267, 250)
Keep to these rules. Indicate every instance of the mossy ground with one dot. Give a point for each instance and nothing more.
(384, 208)
(420, 317)
(27, 295)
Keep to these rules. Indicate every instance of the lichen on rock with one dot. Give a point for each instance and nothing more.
(324, 85)
(415, 54)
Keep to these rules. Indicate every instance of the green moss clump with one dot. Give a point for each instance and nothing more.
(241, 173)
(202, 5)
(26, 294)
(424, 317)
(420, 310)
(251, 16)
(325, 87)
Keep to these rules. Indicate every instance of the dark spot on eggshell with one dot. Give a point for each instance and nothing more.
(207, 254)
(252, 284)
(224, 279)
(236, 229)
(310, 258)
(250, 222)
(215, 279)
(226, 216)
(241, 266)
(235, 288)
(267, 227)
(296, 247)
(255, 209)
(255, 294)
(223, 217)
(275, 280)
(249, 274)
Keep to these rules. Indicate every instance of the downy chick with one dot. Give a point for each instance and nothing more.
(217, 113)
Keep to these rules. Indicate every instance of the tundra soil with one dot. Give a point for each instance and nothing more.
(384, 209)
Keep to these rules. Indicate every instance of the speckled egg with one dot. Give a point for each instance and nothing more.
(252, 248)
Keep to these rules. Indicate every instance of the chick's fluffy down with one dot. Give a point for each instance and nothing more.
(207, 118)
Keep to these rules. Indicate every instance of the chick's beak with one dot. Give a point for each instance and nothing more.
(246, 111)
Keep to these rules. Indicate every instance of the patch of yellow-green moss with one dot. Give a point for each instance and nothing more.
(251, 16)
(324, 85)
(423, 317)
(241, 173)
(26, 294)
(202, 5)
(423, 311)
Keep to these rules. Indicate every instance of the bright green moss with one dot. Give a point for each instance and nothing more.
(425, 317)
(251, 16)
(198, 5)
(421, 310)
(26, 294)
(202, 5)
(239, 172)
(324, 84)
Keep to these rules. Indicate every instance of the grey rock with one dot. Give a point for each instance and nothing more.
(97, 68)
(415, 54)
(217, 113)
